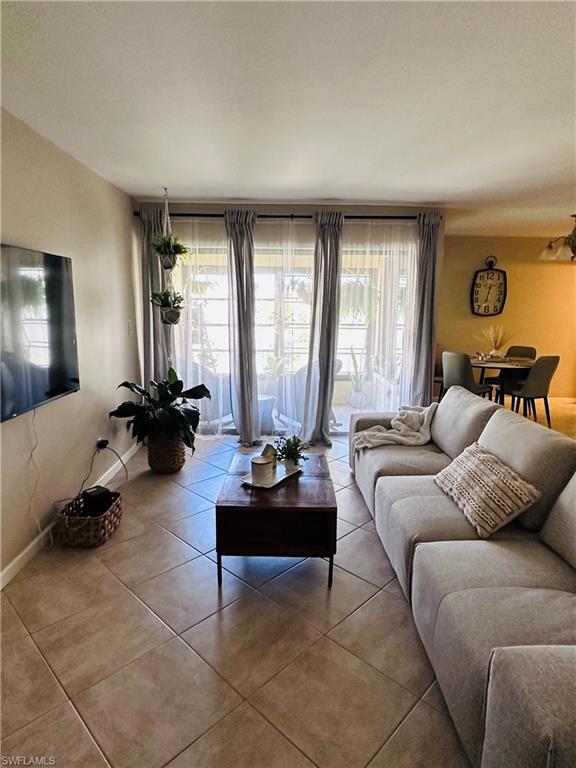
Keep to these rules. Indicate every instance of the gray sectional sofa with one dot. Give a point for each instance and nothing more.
(497, 617)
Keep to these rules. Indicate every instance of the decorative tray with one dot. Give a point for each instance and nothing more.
(281, 475)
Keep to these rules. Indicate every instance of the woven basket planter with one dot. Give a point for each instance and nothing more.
(74, 530)
(166, 456)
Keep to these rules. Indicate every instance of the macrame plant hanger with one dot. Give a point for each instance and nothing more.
(168, 266)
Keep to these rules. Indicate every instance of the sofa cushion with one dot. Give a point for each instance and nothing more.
(530, 717)
(488, 492)
(460, 418)
(402, 460)
(559, 531)
(540, 455)
(410, 511)
(472, 623)
(451, 566)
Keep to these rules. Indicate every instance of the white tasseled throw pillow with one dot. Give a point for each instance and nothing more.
(488, 492)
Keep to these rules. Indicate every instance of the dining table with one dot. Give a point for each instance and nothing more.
(507, 367)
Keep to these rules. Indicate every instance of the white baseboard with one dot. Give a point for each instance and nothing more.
(16, 565)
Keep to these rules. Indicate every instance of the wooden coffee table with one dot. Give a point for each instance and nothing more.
(296, 518)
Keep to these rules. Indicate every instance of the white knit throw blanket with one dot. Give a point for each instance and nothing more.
(410, 427)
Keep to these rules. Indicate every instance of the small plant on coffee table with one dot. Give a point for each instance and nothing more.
(291, 450)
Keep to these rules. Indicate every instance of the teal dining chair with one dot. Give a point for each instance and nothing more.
(536, 387)
(457, 371)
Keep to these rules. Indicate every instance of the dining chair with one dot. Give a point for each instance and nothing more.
(536, 387)
(457, 371)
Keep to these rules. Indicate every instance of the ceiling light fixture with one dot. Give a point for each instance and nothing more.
(566, 251)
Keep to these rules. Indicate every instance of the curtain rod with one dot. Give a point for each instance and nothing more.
(353, 217)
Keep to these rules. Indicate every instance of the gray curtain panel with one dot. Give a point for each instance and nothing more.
(425, 337)
(324, 328)
(243, 379)
(156, 338)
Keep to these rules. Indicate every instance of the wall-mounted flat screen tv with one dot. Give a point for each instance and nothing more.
(39, 359)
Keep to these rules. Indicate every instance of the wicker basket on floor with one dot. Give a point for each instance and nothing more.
(74, 530)
(166, 456)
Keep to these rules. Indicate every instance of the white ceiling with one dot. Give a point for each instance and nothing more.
(464, 105)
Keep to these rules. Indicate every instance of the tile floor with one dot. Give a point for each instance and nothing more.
(129, 655)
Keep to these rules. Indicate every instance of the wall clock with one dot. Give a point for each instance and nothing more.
(488, 294)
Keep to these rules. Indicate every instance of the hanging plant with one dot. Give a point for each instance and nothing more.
(170, 303)
(168, 247)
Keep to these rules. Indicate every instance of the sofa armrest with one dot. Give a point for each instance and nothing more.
(360, 421)
(530, 714)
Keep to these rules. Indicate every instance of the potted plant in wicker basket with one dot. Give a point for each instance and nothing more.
(170, 303)
(166, 420)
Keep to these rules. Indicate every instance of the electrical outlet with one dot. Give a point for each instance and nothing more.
(101, 443)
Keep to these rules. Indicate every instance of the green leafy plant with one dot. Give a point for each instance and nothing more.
(291, 449)
(358, 375)
(164, 414)
(168, 248)
(168, 299)
(273, 366)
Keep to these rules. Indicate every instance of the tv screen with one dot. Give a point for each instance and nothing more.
(39, 360)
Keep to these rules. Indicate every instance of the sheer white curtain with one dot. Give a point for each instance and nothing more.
(283, 259)
(201, 340)
(375, 350)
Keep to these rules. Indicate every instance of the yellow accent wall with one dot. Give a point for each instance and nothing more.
(540, 309)
(53, 203)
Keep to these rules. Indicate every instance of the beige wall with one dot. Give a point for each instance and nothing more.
(540, 310)
(51, 202)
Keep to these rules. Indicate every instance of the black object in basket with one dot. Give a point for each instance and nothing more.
(90, 519)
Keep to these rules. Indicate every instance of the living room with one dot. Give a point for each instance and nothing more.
(321, 214)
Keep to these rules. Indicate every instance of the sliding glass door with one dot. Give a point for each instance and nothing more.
(375, 347)
(284, 260)
(375, 352)
(201, 339)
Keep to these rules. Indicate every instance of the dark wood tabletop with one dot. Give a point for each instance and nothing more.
(295, 518)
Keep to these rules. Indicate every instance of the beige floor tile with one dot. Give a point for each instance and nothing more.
(29, 689)
(139, 559)
(195, 471)
(424, 740)
(352, 507)
(209, 489)
(304, 591)
(434, 698)
(151, 710)
(250, 640)
(54, 561)
(185, 595)
(220, 460)
(343, 527)
(256, 570)
(207, 448)
(131, 525)
(244, 739)
(61, 735)
(58, 585)
(197, 530)
(338, 451)
(86, 647)
(156, 497)
(382, 632)
(10, 622)
(394, 589)
(362, 554)
(370, 526)
(333, 706)
(340, 472)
